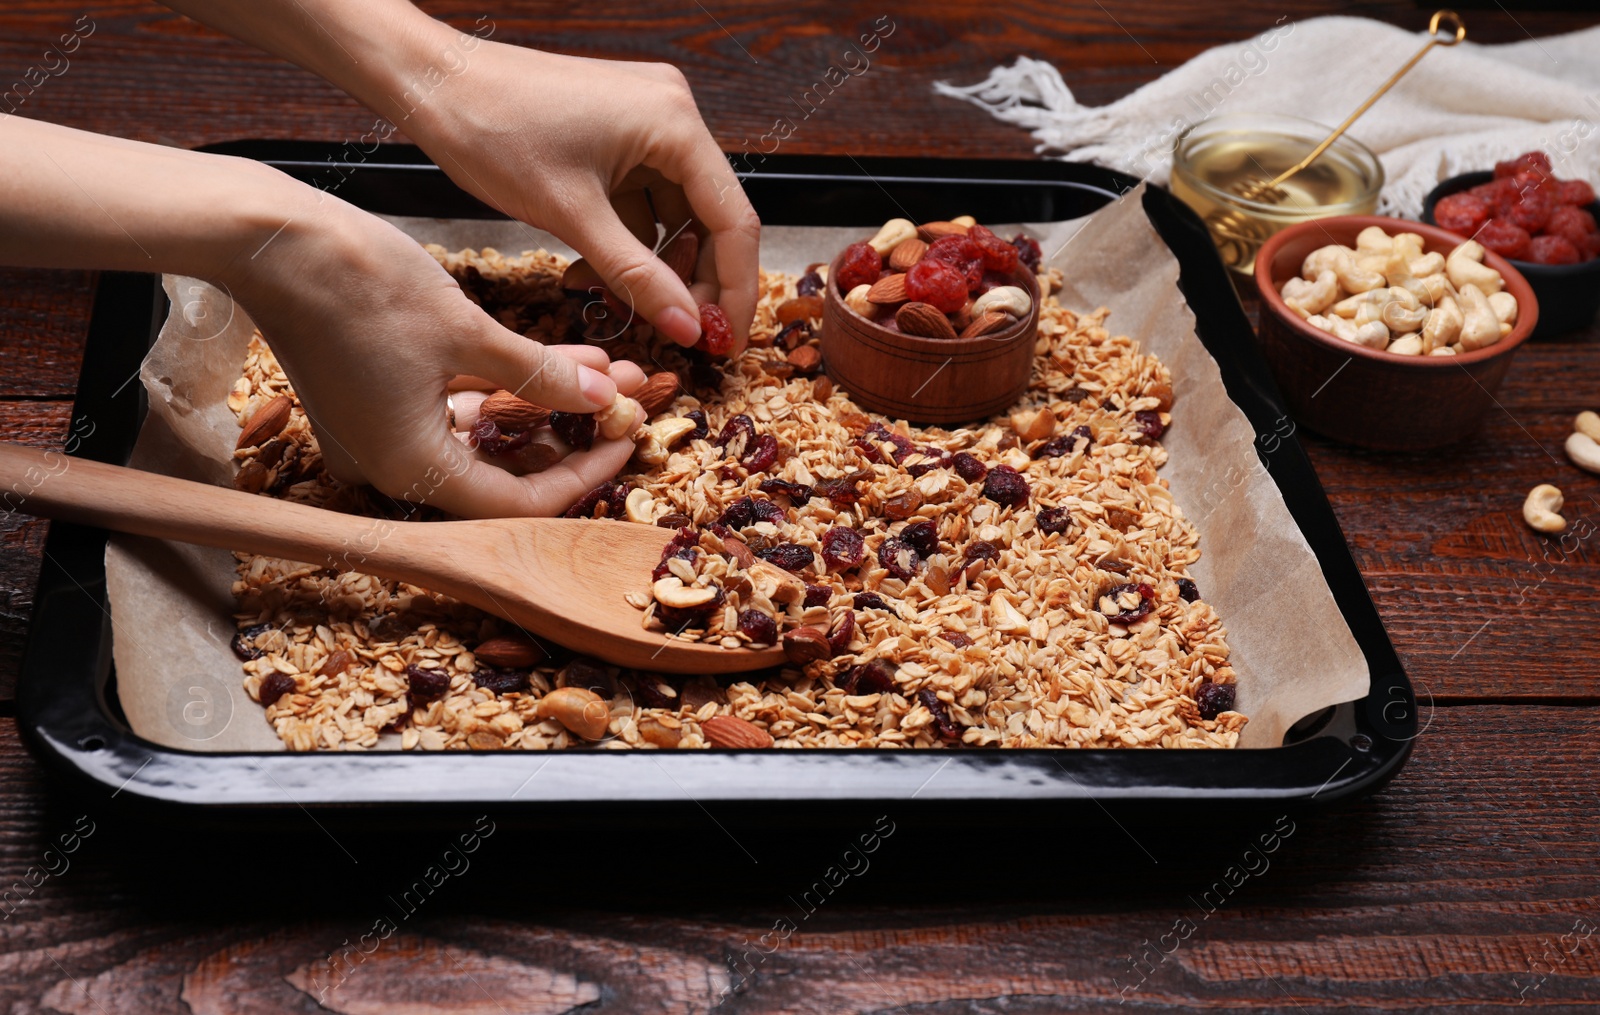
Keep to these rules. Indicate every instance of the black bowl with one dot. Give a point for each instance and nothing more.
(1569, 294)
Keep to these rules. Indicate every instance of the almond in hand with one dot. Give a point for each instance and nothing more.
(512, 414)
(681, 254)
(511, 652)
(924, 320)
(731, 731)
(267, 423)
(659, 392)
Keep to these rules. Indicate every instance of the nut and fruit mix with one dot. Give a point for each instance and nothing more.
(1525, 213)
(1021, 582)
(1387, 294)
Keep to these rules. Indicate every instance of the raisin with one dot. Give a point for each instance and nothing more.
(575, 428)
(980, 549)
(792, 557)
(759, 627)
(274, 686)
(798, 493)
(1147, 597)
(844, 628)
(1188, 591)
(1006, 487)
(426, 685)
(674, 521)
(817, 595)
(589, 674)
(1574, 192)
(900, 560)
(946, 726)
(931, 458)
(904, 506)
(937, 284)
(841, 492)
(968, 467)
(678, 619)
(956, 638)
(860, 265)
(1148, 422)
(244, 643)
(1462, 213)
(1054, 520)
(1028, 251)
(998, 255)
(800, 308)
(922, 537)
(761, 455)
(810, 284)
(716, 334)
(1553, 250)
(876, 677)
(1214, 699)
(736, 435)
(496, 680)
(870, 601)
(842, 548)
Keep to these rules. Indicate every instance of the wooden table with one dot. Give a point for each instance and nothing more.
(1473, 881)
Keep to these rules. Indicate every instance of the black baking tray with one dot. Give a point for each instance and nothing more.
(66, 695)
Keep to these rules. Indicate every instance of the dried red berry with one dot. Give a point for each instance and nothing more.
(716, 333)
(736, 435)
(817, 595)
(844, 628)
(1575, 224)
(496, 680)
(860, 265)
(899, 559)
(1553, 250)
(980, 549)
(1535, 161)
(1148, 422)
(274, 686)
(1054, 520)
(841, 492)
(1532, 211)
(811, 283)
(921, 536)
(937, 283)
(798, 493)
(589, 674)
(929, 458)
(244, 643)
(1147, 596)
(998, 255)
(1006, 487)
(761, 455)
(1028, 251)
(576, 428)
(876, 677)
(613, 495)
(842, 548)
(968, 467)
(1505, 239)
(759, 627)
(956, 638)
(426, 685)
(870, 601)
(1188, 591)
(791, 557)
(1462, 213)
(871, 444)
(701, 431)
(1214, 699)
(1574, 192)
(942, 722)
(684, 545)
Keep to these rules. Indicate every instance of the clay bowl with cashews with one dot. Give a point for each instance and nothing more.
(1363, 394)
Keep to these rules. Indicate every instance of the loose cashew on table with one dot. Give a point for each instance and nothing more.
(1542, 509)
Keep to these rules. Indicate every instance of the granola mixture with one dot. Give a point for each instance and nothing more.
(1063, 618)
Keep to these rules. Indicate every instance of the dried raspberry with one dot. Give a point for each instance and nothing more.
(761, 455)
(798, 493)
(1462, 213)
(1553, 250)
(274, 686)
(968, 467)
(791, 557)
(998, 255)
(1532, 211)
(1505, 239)
(899, 559)
(575, 428)
(938, 284)
(922, 537)
(860, 265)
(1534, 161)
(1188, 591)
(842, 548)
(841, 492)
(1574, 192)
(810, 284)
(1214, 699)
(1054, 520)
(716, 333)
(1006, 487)
(1028, 251)
(759, 627)
(817, 595)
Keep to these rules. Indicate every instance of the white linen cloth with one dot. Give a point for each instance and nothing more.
(1460, 109)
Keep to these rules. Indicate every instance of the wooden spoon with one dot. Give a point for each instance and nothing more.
(562, 578)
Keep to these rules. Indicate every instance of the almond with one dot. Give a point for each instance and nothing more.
(681, 254)
(805, 359)
(658, 392)
(986, 324)
(822, 388)
(924, 320)
(511, 652)
(731, 731)
(907, 253)
(930, 231)
(512, 414)
(739, 550)
(266, 423)
(806, 644)
(889, 289)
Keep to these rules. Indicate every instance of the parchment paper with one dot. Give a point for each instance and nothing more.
(180, 685)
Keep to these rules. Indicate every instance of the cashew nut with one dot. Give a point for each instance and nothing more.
(1374, 335)
(1443, 350)
(1542, 509)
(1374, 240)
(1407, 246)
(1504, 306)
(1465, 267)
(890, 235)
(1443, 324)
(1350, 306)
(1479, 326)
(671, 591)
(1406, 345)
(640, 506)
(1588, 423)
(1008, 299)
(1427, 264)
(1354, 278)
(1339, 327)
(1311, 297)
(617, 419)
(1403, 312)
(964, 220)
(656, 443)
(578, 709)
(856, 299)
(1323, 259)
(1583, 451)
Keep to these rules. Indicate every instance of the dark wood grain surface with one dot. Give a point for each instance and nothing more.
(1472, 882)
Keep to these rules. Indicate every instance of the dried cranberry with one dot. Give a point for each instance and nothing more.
(1028, 251)
(817, 595)
(942, 722)
(998, 255)
(1214, 699)
(244, 643)
(426, 685)
(739, 514)
(922, 536)
(1575, 192)
(1147, 597)
(931, 458)
(1553, 250)
(701, 431)
(870, 601)
(798, 493)
(860, 265)
(759, 627)
(677, 619)
(767, 511)
(761, 455)
(274, 686)
(655, 690)
(1064, 444)
(956, 638)
(684, 546)
(842, 548)
(844, 628)
(876, 677)
(900, 560)
(483, 435)
(791, 557)
(1188, 591)
(810, 284)
(1006, 487)
(980, 549)
(575, 428)
(968, 467)
(1462, 213)
(500, 681)
(716, 333)
(937, 284)
(872, 441)
(841, 492)
(736, 434)
(1054, 520)
(1148, 422)
(612, 495)
(792, 334)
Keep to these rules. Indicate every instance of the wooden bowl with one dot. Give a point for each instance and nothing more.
(928, 380)
(1364, 396)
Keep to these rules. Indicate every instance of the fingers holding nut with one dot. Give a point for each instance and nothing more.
(1542, 509)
